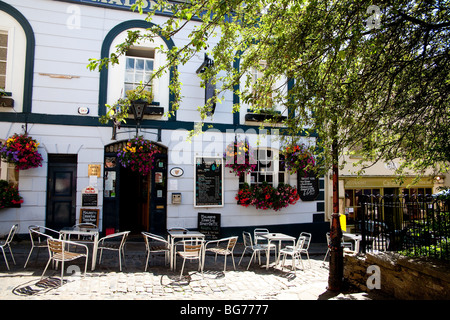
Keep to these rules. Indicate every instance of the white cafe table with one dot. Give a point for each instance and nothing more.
(280, 237)
(87, 232)
(179, 234)
(354, 237)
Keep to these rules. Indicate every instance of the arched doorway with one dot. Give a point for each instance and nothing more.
(133, 202)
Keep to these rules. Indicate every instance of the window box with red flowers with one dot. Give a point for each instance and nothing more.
(240, 157)
(266, 197)
(21, 150)
(9, 195)
(138, 155)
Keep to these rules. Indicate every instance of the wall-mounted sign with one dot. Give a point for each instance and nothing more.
(89, 197)
(94, 170)
(308, 186)
(176, 172)
(83, 110)
(208, 182)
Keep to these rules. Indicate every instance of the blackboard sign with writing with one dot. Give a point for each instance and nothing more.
(308, 186)
(89, 216)
(208, 182)
(89, 199)
(209, 225)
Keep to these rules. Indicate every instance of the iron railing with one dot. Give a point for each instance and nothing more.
(417, 226)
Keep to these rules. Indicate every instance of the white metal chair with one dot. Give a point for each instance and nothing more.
(306, 243)
(7, 243)
(257, 248)
(114, 242)
(223, 247)
(155, 244)
(38, 238)
(192, 250)
(294, 252)
(257, 235)
(344, 244)
(58, 253)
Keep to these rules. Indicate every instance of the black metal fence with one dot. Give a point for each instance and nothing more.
(416, 226)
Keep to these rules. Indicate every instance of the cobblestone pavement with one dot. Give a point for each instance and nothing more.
(108, 283)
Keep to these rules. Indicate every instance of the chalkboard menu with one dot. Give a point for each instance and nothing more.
(208, 182)
(89, 216)
(308, 186)
(209, 225)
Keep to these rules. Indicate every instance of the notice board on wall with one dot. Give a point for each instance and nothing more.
(209, 225)
(208, 182)
(308, 186)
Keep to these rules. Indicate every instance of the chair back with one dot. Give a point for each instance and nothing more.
(85, 225)
(11, 234)
(247, 239)
(154, 237)
(300, 243)
(328, 239)
(258, 232)
(192, 248)
(308, 237)
(232, 243)
(55, 245)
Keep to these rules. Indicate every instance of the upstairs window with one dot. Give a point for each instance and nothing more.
(139, 65)
(3, 57)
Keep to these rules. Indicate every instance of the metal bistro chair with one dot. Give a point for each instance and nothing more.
(7, 243)
(257, 248)
(192, 250)
(114, 242)
(344, 244)
(294, 252)
(155, 243)
(57, 252)
(223, 247)
(38, 238)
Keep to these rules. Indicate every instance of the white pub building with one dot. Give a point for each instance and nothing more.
(49, 93)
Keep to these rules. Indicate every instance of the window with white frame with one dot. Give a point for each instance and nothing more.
(136, 66)
(3, 57)
(269, 168)
(139, 65)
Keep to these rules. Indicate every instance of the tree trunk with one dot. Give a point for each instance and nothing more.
(335, 278)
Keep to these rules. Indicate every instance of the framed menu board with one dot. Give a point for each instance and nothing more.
(208, 178)
(209, 225)
(308, 186)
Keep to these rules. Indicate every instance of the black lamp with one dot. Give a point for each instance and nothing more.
(138, 108)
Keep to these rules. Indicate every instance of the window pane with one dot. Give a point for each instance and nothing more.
(130, 64)
(139, 64)
(148, 65)
(129, 76)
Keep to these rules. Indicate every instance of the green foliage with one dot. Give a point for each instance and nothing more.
(353, 82)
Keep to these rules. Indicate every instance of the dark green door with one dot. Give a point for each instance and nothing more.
(61, 191)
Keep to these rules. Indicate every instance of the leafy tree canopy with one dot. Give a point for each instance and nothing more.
(361, 74)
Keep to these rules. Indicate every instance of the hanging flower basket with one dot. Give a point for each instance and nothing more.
(9, 195)
(239, 157)
(298, 159)
(267, 197)
(21, 150)
(138, 155)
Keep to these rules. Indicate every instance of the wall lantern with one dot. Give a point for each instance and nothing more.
(138, 108)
